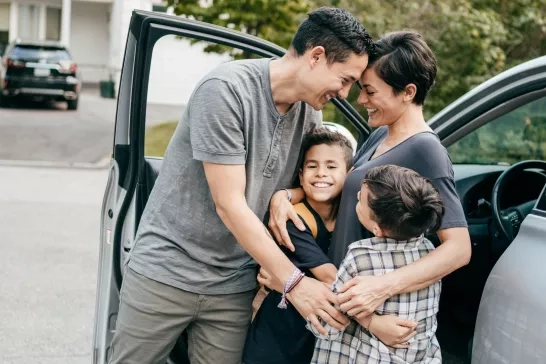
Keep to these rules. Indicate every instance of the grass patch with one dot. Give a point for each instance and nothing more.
(157, 138)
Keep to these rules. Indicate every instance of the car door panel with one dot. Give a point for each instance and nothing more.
(511, 322)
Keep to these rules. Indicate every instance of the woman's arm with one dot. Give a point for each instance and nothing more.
(362, 295)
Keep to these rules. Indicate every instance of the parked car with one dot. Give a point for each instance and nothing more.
(39, 71)
(494, 309)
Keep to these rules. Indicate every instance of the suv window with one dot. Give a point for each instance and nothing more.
(52, 54)
(516, 136)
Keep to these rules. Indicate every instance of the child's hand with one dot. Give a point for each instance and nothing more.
(270, 281)
(391, 330)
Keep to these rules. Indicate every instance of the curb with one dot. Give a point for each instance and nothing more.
(101, 164)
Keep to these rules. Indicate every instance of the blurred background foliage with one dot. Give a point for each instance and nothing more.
(473, 39)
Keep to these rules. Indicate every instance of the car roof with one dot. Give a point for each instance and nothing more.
(42, 43)
(533, 71)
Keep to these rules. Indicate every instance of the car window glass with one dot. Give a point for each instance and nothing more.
(176, 68)
(30, 53)
(516, 136)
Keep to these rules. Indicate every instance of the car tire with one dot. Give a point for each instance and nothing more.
(72, 104)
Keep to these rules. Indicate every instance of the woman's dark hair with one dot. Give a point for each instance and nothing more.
(325, 136)
(403, 202)
(337, 30)
(402, 58)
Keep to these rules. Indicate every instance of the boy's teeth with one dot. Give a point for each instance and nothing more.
(321, 184)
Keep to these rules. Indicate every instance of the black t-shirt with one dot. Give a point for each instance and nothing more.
(423, 153)
(276, 335)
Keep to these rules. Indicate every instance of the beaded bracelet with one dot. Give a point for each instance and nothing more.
(294, 279)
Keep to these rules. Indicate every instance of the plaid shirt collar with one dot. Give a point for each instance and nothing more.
(388, 244)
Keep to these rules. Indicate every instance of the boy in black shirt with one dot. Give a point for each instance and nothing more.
(278, 335)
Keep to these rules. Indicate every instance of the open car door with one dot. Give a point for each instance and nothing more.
(132, 174)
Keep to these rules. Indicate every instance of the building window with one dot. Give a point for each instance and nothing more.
(53, 24)
(28, 22)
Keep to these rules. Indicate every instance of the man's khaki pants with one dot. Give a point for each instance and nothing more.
(153, 315)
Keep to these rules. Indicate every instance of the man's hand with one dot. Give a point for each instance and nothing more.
(360, 296)
(391, 330)
(313, 299)
(280, 211)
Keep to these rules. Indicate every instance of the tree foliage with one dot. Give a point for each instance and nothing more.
(472, 39)
(273, 20)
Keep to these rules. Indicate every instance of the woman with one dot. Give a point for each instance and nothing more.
(394, 87)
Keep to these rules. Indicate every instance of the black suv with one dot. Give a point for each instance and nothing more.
(39, 71)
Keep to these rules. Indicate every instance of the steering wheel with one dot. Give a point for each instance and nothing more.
(510, 219)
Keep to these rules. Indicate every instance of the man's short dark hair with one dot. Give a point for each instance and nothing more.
(403, 202)
(403, 57)
(326, 136)
(337, 30)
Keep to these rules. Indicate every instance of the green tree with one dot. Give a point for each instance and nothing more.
(473, 39)
(273, 20)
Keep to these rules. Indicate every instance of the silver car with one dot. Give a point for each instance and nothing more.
(494, 309)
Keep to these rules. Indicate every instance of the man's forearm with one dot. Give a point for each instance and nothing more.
(251, 233)
(448, 257)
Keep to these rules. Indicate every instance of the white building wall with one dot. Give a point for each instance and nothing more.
(177, 66)
(90, 39)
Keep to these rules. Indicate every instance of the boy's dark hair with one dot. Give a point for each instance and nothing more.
(403, 202)
(337, 30)
(326, 136)
(403, 57)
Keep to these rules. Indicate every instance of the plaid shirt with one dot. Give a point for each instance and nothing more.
(372, 257)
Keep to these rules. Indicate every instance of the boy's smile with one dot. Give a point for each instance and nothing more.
(324, 172)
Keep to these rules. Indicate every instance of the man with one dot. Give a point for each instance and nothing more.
(191, 267)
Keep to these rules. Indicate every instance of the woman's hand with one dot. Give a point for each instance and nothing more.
(391, 330)
(280, 211)
(270, 281)
(360, 296)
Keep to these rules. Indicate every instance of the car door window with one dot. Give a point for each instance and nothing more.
(176, 68)
(516, 136)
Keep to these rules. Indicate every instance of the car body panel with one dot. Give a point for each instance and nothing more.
(511, 323)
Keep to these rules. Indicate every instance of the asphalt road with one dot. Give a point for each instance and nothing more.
(49, 237)
(49, 133)
(49, 225)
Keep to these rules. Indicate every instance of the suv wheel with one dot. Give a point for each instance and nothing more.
(72, 104)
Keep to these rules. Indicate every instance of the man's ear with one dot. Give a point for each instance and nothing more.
(409, 92)
(316, 55)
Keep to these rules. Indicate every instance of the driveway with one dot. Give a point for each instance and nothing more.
(49, 134)
(49, 239)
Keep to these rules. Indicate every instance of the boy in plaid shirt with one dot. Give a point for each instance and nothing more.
(398, 206)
